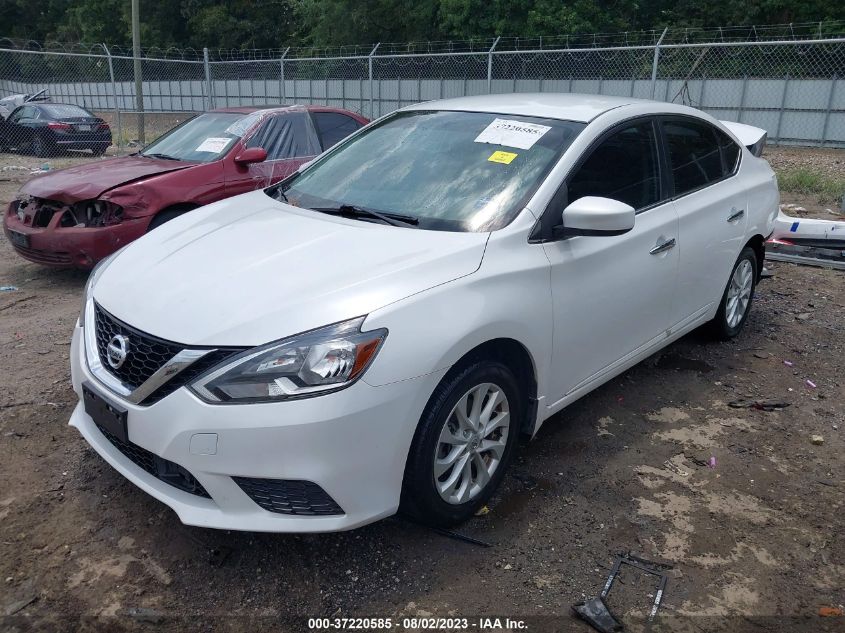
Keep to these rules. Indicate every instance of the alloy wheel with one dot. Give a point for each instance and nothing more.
(739, 293)
(472, 443)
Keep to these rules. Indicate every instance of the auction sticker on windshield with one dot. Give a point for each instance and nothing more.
(214, 144)
(502, 157)
(512, 133)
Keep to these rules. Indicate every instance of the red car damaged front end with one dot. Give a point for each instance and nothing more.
(63, 219)
(68, 235)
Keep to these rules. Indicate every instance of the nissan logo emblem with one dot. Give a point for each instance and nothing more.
(117, 351)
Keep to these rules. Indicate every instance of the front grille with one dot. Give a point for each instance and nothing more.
(49, 258)
(187, 375)
(160, 468)
(289, 496)
(146, 354)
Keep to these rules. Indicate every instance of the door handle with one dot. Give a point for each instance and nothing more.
(736, 215)
(663, 246)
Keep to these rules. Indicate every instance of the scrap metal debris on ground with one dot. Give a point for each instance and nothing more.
(759, 405)
(595, 610)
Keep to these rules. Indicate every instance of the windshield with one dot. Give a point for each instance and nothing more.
(202, 139)
(455, 171)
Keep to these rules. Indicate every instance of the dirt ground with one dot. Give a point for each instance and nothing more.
(743, 504)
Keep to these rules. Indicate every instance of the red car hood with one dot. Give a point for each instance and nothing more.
(88, 181)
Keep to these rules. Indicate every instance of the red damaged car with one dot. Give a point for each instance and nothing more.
(77, 216)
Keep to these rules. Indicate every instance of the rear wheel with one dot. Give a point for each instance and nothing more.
(41, 147)
(464, 443)
(99, 150)
(737, 298)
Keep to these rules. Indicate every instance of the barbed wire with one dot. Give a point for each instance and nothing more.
(673, 35)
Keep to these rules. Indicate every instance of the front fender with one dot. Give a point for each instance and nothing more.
(197, 185)
(509, 296)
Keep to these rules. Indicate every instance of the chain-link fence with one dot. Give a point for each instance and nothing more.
(787, 81)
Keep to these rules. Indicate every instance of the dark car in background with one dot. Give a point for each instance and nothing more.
(77, 216)
(44, 129)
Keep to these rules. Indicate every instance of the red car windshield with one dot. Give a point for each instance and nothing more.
(202, 139)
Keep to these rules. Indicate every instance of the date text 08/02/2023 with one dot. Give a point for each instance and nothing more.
(419, 623)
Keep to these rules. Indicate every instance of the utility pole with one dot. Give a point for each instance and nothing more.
(139, 83)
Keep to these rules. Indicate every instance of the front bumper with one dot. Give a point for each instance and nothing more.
(71, 247)
(352, 443)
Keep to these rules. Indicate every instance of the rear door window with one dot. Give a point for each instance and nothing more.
(694, 154)
(25, 112)
(623, 167)
(287, 135)
(333, 127)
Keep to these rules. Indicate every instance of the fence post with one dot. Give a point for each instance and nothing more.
(208, 84)
(114, 94)
(490, 64)
(656, 59)
(742, 98)
(782, 107)
(829, 108)
(282, 88)
(370, 64)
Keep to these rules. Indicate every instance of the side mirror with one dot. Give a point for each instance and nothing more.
(251, 155)
(592, 215)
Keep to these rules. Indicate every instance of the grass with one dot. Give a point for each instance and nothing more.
(806, 181)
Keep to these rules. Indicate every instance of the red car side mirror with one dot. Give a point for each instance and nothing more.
(251, 155)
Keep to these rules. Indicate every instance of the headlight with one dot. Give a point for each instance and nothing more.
(94, 213)
(92, 278)
(307, 364)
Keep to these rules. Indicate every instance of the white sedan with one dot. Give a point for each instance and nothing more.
(375, 333)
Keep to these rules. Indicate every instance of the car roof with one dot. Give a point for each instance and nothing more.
(257, 108)
(565, 106)
(45, 105)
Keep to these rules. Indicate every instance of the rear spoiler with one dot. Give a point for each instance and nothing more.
(752, 137)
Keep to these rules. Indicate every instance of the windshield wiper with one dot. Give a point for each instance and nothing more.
(351, 210)
(162, 156)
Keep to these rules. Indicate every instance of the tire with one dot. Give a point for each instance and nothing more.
(41, 147)
(728, 323)
(99, 150)
(165, 216)
(421, 496)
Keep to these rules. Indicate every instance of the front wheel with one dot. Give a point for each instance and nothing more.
(165, 216)
(736, 300)
(464, 443)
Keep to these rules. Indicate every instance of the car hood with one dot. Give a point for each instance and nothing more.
(90, 180)
(249, 270)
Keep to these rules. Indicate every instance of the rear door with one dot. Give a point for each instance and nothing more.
(710, 201)
(288, 138)
(19, 126)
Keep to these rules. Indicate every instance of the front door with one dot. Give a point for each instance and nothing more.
(289, 140)
(612, 295)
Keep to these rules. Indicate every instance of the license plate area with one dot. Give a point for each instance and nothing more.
(109, 416)
(83, 128)
(19, 239)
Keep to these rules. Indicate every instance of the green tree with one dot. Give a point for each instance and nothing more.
(239, 23)
(338, 22)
